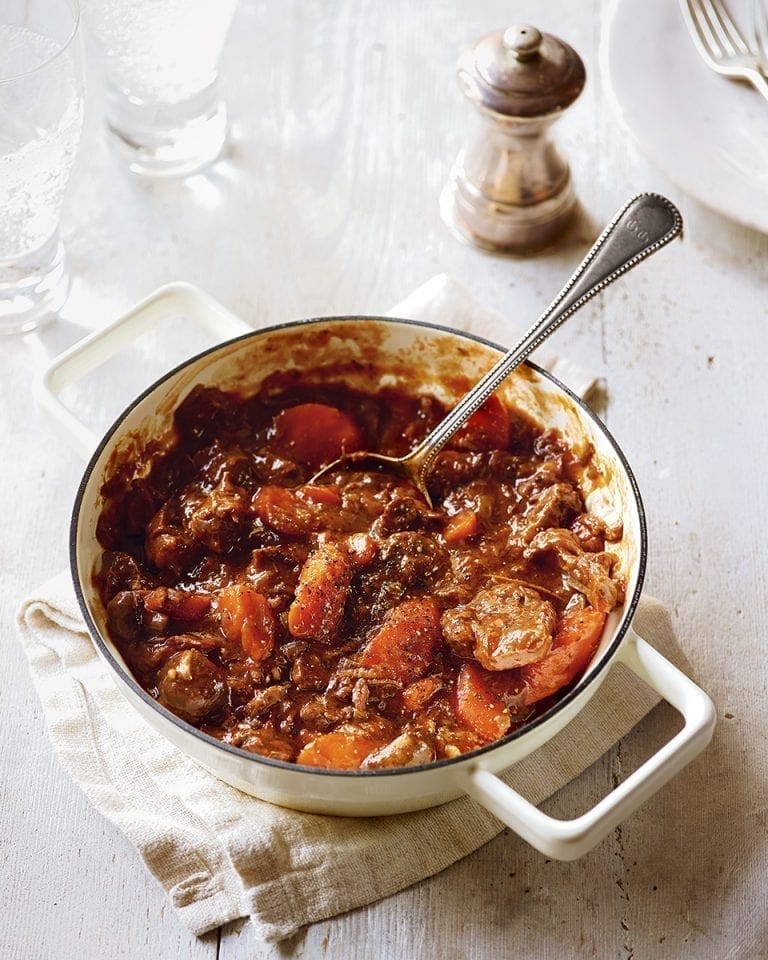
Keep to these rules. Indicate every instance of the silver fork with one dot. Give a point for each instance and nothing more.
(760, 27)
(721, 44)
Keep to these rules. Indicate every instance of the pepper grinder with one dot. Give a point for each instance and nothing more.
(511, 191)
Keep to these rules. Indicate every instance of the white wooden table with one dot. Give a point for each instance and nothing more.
(346, 120)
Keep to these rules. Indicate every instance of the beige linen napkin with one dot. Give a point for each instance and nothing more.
(220, 854)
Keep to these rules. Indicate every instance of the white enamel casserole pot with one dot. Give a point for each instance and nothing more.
(438, 361)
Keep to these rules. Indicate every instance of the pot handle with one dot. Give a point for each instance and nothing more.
(570, 839)
(100, 345)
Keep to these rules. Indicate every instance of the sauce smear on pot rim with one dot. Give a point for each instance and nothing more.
(347, 625)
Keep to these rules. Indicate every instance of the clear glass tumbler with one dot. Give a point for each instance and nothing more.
(41, 115)
(159, 58)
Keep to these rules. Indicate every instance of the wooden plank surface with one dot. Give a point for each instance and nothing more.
(346, 120)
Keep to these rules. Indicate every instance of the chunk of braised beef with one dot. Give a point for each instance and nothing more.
(108, 531)
(207, 413)
(556, 506)
(271, 468)
(274, 571)
(451, 469)
(191, 686)
(323, 711)
(128, 507)
(545, 475)
(588, 573)
(221, 519)
(504, 626)
(293, 649)
(412, 558)
(467, 572)
(592, 576)
(154, 622)
(265, 698)
(549, 445)
(309, 672)
(503, 465)
(147, 656)
(403, 513)
(365, 495)
(406, 561)
(214, 571)
(169, 470)
(407, 750)
(120, 571)
(480, 496)
(125, 612)
(169, 545)
(361, 694)
(265, 742)
(218, 463)
(589, 530)
(244, 677)
(138, 506)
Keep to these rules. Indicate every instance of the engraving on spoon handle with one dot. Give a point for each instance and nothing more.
(643, 225)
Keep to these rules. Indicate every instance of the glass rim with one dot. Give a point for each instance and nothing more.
(74, 6)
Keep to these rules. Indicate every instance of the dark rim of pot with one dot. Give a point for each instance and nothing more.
(562, 702)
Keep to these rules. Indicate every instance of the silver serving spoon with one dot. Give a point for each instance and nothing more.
(643, 225)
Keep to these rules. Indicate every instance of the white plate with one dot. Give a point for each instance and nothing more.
(709, 135)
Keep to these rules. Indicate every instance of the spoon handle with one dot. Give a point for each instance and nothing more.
(643, 225)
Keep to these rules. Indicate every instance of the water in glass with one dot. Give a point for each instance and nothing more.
(41, 112)
(160, 59)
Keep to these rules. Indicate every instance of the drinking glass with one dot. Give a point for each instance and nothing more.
(159, 59)
(41, 115)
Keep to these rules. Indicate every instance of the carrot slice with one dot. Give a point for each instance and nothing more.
(478, 705)
(486, 429)
(321, 594)
(283, 511)
(575, 640)
(338, 750)
(247, 618)
(460, 526)
(320, 493)
(404, 645)
(315, 433)
(179, 604)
